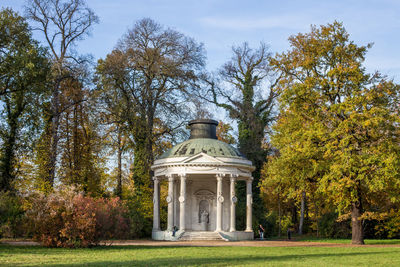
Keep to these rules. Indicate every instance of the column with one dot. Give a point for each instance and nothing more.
(175, 201)
(220, 200)
(170, 203)
(156, 204)
(233, 204)
(182, 200)
(249, 200)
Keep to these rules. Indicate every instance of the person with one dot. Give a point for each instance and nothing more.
(174, 230)
(289, 233)
(261, 231)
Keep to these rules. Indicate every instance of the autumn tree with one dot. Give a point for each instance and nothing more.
(291, 175)
(81, 146)
(23, 71)
(149, 74)
(244, 90)
(63, 23)
(348, 142)
(224, 133)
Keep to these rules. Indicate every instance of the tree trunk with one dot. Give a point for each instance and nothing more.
(357, 235)
(8, 158)
(303, 200)
(55, 123)
(119, 170)
(316, 216)
(294, 215)
(279, 216)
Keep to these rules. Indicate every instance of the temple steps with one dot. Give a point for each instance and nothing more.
(200, 235)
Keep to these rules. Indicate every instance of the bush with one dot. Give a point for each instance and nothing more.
(11, 215)
(331, 228)
(141, 216)
(74, 220)
(388, 225)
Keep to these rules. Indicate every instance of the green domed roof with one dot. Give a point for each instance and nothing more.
(211, 147)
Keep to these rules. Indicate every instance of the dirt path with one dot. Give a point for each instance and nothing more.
(255, 243)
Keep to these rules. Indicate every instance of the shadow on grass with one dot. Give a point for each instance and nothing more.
(11, 249)
(221, 260)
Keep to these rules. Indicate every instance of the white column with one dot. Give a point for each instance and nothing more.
(233, 204)
(182, 200)
(220, 200)
(249, 200)
(175, 200)
(156, 204)
(170, 203)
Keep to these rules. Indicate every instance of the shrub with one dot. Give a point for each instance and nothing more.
(74, 220)
(330, 227)
(140, 217)
(388, 225)
(11, 214)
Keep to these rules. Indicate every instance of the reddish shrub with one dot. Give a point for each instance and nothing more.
(72, 220)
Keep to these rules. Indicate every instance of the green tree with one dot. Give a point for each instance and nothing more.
(23, 71)
(350, 140)
(246, 94)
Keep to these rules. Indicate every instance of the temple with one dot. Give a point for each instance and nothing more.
(201, 174)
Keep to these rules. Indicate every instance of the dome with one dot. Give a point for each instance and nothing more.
(211, 147)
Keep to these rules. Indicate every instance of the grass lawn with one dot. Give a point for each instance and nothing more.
(348, 241)
(200, 256)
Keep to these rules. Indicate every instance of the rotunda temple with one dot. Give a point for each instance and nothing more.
(201, 174)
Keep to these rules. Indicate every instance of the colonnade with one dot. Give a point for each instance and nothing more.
(183, 199)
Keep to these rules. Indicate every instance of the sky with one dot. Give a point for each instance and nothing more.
(219, 24)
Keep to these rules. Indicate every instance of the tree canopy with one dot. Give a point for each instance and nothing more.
(337, 131)
(23, 73)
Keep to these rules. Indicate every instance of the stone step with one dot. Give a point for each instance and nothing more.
(200, 235)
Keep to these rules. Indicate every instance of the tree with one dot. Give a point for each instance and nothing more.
(150, 74)
(63, 23)
(293, 173)
(248, 98)
(23, 71)
(223, 133)
(81, 161)
(349, 140)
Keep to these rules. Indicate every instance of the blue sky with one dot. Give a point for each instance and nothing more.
(221, 24)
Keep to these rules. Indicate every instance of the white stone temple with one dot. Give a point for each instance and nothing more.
(201, 174)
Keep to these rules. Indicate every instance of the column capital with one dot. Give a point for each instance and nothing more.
(182, 175)
(234, 177)
(156, 179)
(220, 176)
(249, 179)
(170, 177)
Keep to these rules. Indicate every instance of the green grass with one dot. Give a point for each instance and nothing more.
(200, 256)
(348, 241)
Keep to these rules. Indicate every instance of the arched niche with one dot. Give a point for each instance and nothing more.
(204, 202)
